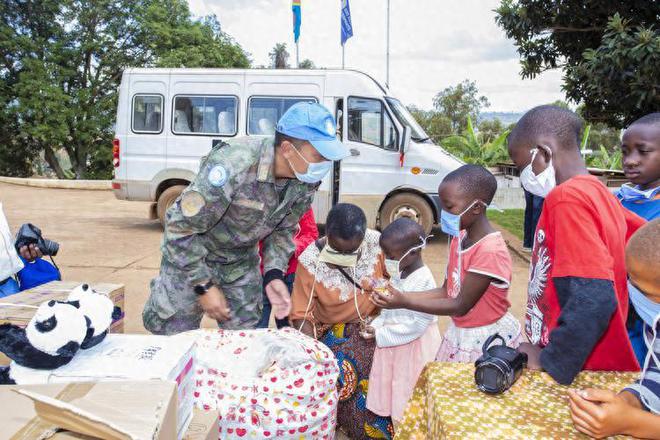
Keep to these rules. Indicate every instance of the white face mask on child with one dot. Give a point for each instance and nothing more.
(539, 184)
(392, 266)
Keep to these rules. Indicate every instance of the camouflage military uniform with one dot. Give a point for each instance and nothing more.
(213, 230)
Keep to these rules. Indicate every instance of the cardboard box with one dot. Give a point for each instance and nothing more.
(204, 426)
(128, 357)
(59, 291)
(146, 410)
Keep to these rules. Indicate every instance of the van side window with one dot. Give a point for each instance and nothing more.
(211, 115)
(369, 123)
(264, 112)
(147, 113)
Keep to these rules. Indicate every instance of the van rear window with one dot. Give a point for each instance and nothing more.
(211, 115)
(264, 112)
(147, 114)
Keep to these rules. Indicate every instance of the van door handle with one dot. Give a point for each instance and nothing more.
(355, 152)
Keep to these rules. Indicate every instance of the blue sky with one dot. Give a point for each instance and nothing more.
(434, 44)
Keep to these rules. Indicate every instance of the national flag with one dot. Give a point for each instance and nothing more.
(346, 25)
(297, 18)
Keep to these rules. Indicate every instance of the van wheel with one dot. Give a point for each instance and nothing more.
(166, 199)
(407, 205)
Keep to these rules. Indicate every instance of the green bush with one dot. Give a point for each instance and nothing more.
(474, 147)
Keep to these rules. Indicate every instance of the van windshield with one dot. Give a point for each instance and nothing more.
(405, 118)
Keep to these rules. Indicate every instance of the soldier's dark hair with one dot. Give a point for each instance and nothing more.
(547, 120)
(405, 231)
(475, 181)
(346, 221)
(650, 119)
(279, 138)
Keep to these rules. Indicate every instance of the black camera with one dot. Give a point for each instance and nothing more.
(30, 234)
(499, 367)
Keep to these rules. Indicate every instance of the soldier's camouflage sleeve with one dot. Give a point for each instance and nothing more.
(199, 208)
(279, 245)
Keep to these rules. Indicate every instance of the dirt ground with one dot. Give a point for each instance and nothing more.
(103, 239)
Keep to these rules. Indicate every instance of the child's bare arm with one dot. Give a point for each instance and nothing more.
(436, 301)
(603, 413)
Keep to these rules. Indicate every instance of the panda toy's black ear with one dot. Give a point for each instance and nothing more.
(116, 313)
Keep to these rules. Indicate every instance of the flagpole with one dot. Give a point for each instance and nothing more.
(343, 56)
(387, 69)
(297, 56)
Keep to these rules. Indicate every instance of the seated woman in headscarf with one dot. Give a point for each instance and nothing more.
(329, 304)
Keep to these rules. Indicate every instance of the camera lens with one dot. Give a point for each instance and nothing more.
(49, 247)
(492, 378)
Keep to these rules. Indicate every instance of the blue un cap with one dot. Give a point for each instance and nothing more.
(313, 123)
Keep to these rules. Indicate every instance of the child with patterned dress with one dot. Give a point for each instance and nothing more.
(479, 270)
(405, 340)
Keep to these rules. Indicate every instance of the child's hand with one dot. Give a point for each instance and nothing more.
(392, 299)
(368, 332)
(533, 355)
(599, 413)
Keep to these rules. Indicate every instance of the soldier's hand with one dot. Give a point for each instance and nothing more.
(279, 297)
(214, 304)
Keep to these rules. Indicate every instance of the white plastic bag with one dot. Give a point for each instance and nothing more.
(9, 261)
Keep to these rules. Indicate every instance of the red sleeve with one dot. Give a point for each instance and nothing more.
(633, 222)
(579, 250)
(308, 232)
(492, 259)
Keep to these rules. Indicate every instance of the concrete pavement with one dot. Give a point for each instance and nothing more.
(105, 239)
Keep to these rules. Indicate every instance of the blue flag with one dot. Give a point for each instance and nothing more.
(346, 25)
(297, 19)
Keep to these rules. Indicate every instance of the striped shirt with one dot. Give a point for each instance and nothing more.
(401, 326)
(647, 388)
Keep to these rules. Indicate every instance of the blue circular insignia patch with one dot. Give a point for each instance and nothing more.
(218, 176)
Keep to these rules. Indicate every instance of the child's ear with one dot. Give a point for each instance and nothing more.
(545, 153)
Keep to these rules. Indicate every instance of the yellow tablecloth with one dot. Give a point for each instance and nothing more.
(446, 404)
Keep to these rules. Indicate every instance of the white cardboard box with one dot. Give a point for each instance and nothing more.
(128, 357)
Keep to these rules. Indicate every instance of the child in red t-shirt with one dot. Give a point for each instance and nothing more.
(475, 290)
(577, 295)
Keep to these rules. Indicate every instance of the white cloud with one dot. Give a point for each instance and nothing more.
(434, 44)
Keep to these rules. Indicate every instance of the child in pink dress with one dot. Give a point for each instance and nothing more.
(405, 340)
(478, 276)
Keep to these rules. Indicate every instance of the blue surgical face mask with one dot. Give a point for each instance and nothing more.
(629, 193)
(451, 223)
(648, 310)
(316, 171)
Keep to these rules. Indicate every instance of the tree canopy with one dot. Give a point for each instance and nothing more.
(609, 51)
(62, 62)
(279, 57)
(460, 102)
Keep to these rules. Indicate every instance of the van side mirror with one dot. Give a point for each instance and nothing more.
(405, 140)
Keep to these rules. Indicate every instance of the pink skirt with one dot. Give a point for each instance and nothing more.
(395, 370)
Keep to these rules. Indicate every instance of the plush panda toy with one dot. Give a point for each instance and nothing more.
(51, 339)
(99, 311)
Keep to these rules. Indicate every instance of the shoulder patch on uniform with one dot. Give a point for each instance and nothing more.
(191, 203)
(217, 176)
